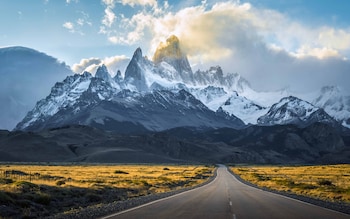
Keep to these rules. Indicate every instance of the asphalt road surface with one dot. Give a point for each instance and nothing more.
(226, 197)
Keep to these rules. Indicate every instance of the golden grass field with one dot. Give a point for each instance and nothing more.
(326, 182)
(62, 188)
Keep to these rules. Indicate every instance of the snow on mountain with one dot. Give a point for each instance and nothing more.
(166, 94)
(212, 97)
(335, 104)
(102, 102)
(215, 77)
(292, 110)
(102, 73)
(243, 108)
(265, 98)
(63, 94)
(20, 72)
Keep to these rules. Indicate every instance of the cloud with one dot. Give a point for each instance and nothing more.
(132, 3)
(69, 26)
(109, 17)
(69, 1)
(109, 3)
(258, 43)
(78, 26)
(130, 30)
(320, 53)
(113, 64)
(84, 63)
(335, 38)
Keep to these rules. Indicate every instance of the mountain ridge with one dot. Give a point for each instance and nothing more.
(150, 89)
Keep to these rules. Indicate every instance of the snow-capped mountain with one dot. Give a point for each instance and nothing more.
(165, 93)
(20, 72)
(212, 97)
(62, 95)
(335, 104)
(292, 110)
(215, 77)
(243, 108)
(107, 103)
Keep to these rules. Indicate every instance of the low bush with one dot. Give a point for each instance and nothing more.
(91, 197)
(5, 198)
(325, 182)
(5, 181)
(120, 172)
(60, 182)
(42, 198)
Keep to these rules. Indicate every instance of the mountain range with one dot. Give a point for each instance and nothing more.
(160, 110)
(165, 93)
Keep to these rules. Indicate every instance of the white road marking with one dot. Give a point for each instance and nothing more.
(230, 203)
(234, 216)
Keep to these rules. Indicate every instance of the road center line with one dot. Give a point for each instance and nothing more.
(230, 203)
(234, 216)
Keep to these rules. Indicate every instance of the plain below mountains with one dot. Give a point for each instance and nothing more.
(282, 144)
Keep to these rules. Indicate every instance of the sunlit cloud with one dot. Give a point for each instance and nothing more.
(235, 35)
(113, 64)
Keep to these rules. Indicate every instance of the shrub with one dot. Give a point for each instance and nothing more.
(26, 186)
(42, 198)
(5, 198)
(325, 182)
(60, 182)
(5, 181)
(120, 172)
(91, 197)
(15, 172)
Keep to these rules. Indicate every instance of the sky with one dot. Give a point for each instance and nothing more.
(301, 45)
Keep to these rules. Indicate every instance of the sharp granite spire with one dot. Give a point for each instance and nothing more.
(172, 53)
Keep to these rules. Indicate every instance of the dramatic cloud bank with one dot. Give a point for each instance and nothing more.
(267, 47)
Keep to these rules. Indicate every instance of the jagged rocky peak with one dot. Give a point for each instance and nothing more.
(137, 54)
(172, 53)
(102, 73)
(133, 69)
(118, 77)
(169, 49)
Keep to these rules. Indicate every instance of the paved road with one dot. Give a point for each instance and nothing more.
(226, 197)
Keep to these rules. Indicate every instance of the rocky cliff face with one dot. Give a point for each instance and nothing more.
(171, 53)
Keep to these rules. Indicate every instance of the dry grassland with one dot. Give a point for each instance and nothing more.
(327, 182)
(39, 191)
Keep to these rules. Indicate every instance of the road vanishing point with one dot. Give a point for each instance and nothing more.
(226, 197)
